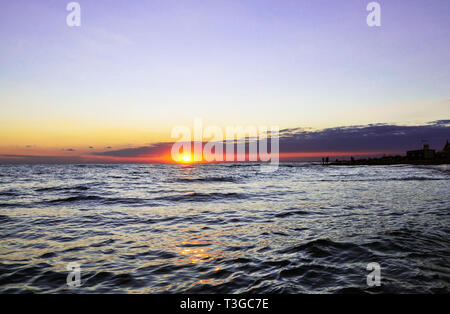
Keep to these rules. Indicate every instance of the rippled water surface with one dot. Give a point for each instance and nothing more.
(224, 228)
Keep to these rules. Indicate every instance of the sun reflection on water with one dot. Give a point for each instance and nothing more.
(195, 252)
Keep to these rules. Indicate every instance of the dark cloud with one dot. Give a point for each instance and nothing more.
(151, 150)
(369, 138)
(379, 137)
(441, 122)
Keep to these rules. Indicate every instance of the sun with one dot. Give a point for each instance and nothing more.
(186, 158)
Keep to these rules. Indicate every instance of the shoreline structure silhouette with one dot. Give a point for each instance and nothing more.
(424, 156)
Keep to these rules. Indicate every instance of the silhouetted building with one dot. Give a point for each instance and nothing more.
(424, 156)
(420, 154)
(446, 148)
(445, 152)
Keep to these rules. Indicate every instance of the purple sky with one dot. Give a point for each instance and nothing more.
(135, 69)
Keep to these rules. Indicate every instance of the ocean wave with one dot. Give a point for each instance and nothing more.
(6, 219)
(207, 179)
(291, 212)
(9, 193)
(413, 178)
(203, 197)
(79, 198)
(63, 188)
(130, 201)
(17, 205)
(323, 248)
(421, 179)
(297, 165)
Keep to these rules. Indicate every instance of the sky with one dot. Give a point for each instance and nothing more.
(134, 70)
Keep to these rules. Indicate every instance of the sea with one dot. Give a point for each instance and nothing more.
(224, 228)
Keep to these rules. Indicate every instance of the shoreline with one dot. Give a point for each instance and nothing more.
(381, 162)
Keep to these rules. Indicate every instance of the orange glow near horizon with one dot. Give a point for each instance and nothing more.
(183, 159)
(76, 155)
